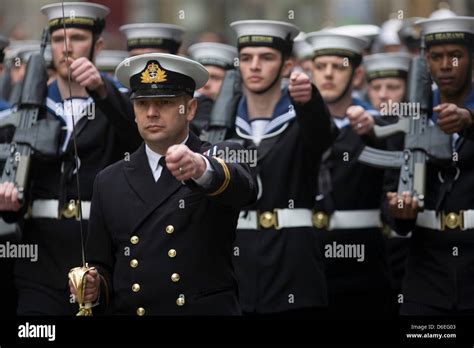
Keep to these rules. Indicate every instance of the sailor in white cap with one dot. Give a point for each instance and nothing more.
(217, 58)
(102, 139)
(183, 245)
(85, 21)
(336, 60)
(338, 203)
(367, 32)
(291, 128)
(441, 251)
(152, 37)
(449, 56)
(386, 74)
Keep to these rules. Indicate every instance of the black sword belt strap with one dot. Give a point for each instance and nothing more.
(448, 176)
(324, 200)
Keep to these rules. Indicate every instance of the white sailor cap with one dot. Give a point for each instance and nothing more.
(365, 31)
(383, 65)
(213, 53)
(153, 35)
(301, 48)
(107, 60)
(325, 43)
(389, 32)
(22, 49)
(161, 75)
(457, 29)
(275, 34)
(84, 15)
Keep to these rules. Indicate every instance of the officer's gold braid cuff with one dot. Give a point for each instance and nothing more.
(226, 180)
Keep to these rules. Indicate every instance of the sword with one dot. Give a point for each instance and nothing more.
(77, 275)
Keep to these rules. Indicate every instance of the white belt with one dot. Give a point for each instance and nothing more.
(463, 220)
(352, 219)
(48, 208)
(286, 218)
(278, 218)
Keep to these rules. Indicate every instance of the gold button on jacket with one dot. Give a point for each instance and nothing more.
(175, 277)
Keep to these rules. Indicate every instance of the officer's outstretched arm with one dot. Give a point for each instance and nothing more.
(233, 181)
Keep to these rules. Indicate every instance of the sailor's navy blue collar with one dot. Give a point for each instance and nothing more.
(282, 115)
(54, 102)
(4, 105)
(5, 109)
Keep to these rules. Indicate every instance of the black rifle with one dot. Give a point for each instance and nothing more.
(5, 81)
(423, 142)
(31, 135)
(222, 120)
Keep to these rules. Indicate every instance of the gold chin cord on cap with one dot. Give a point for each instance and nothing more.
(77, 275)
(78, 278)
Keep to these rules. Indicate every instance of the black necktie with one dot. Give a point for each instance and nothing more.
(162, 163)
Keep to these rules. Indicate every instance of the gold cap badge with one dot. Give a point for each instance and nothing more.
(153, 74)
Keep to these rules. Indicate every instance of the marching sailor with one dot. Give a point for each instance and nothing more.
(348, 201)
(439, 276)
(276, 253)
(51, 203)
